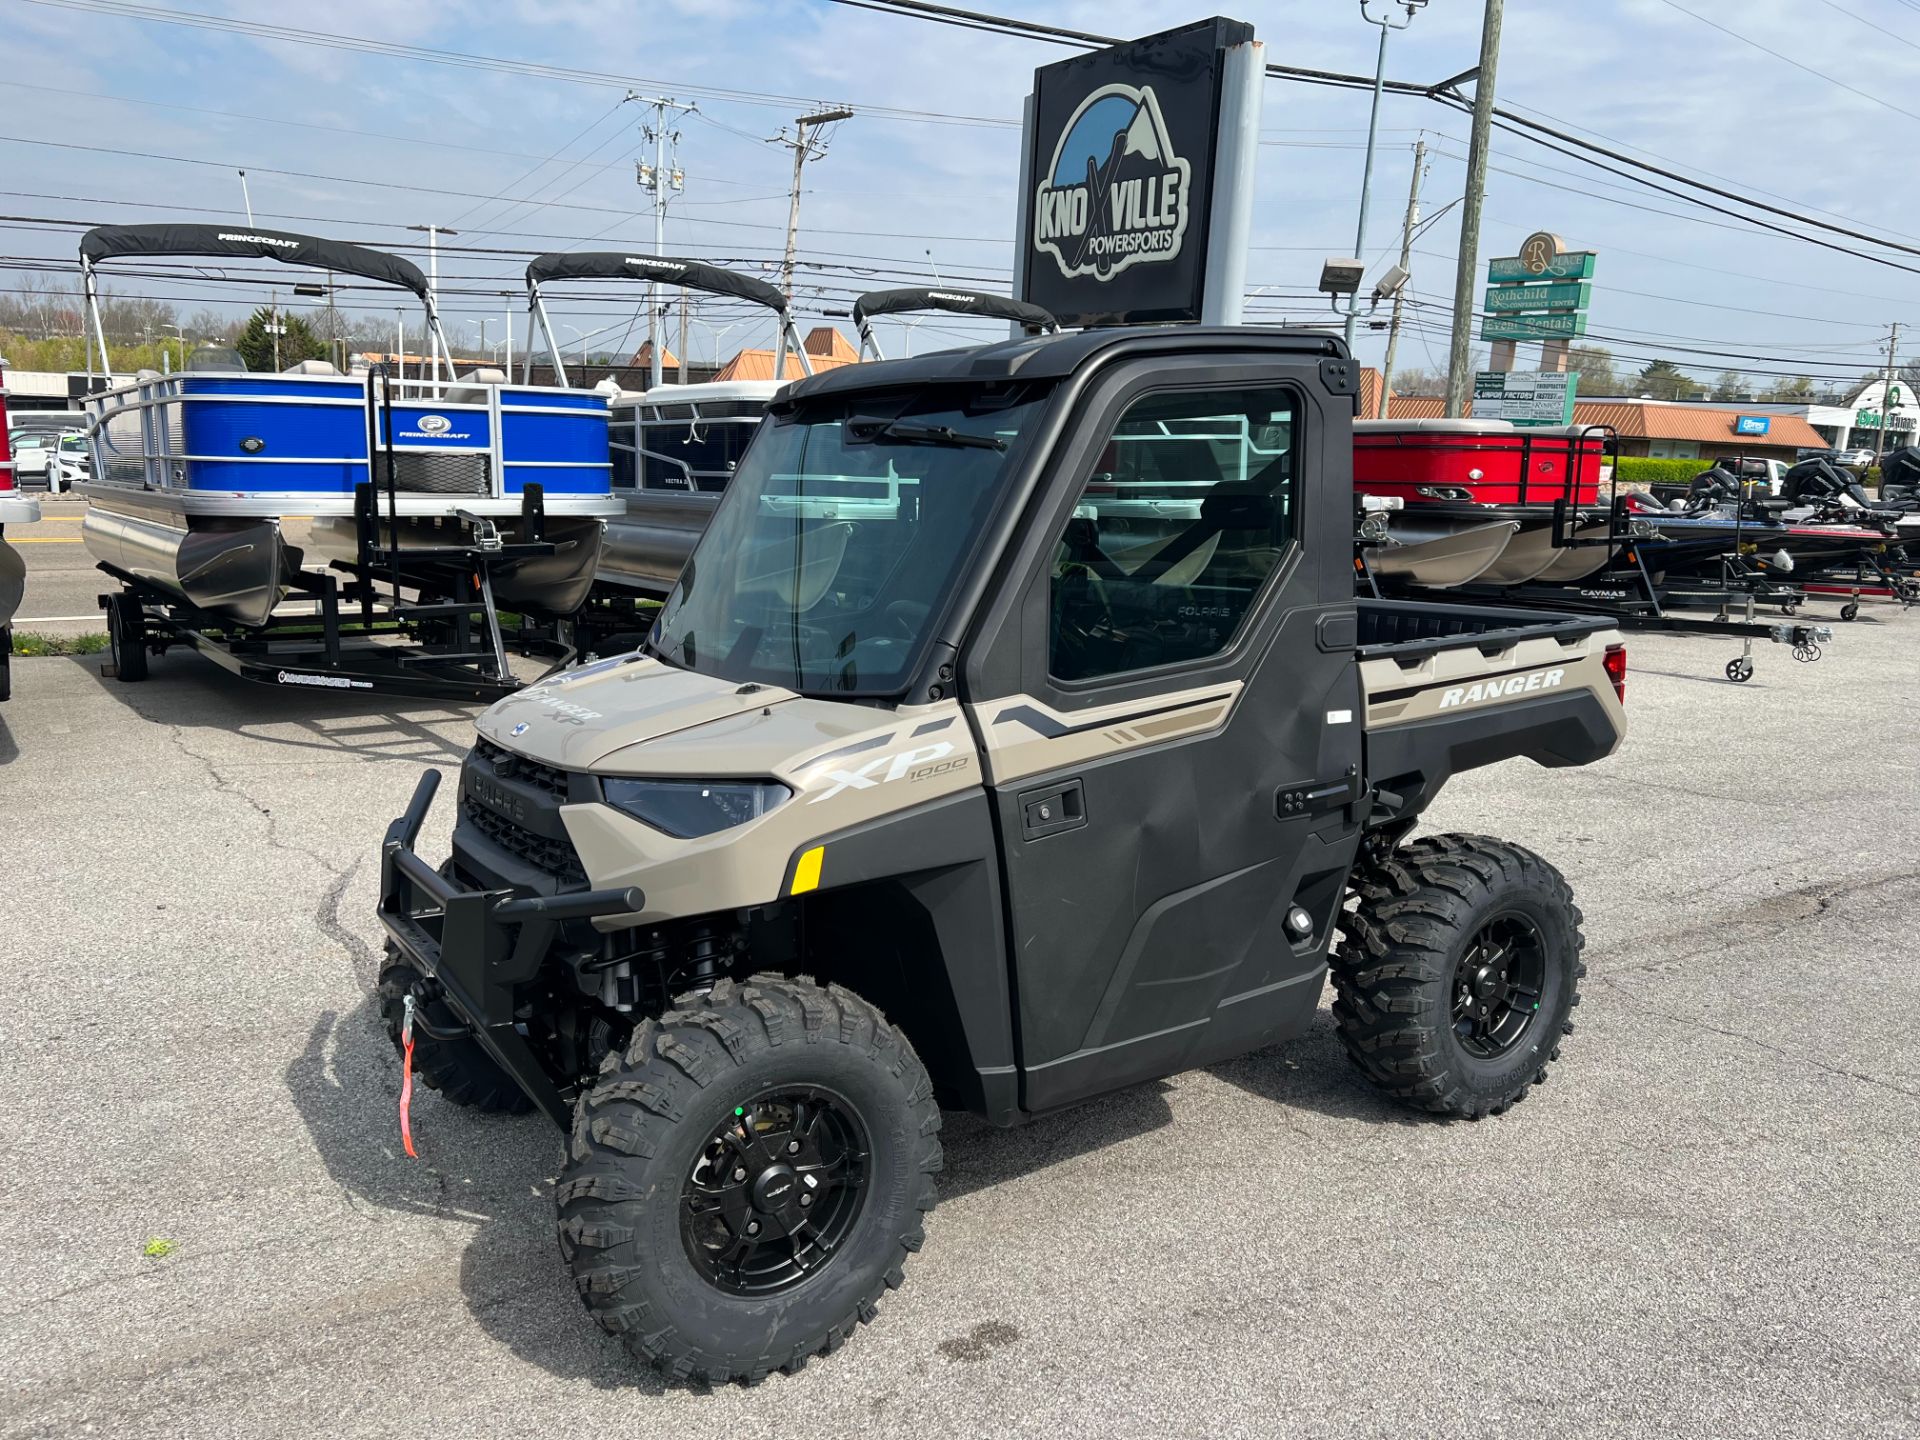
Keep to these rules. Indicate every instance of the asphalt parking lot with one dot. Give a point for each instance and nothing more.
(1705, 1225)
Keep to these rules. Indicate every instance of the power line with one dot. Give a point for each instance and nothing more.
(1797, 64)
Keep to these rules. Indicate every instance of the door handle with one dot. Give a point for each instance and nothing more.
(1316, 797)
(1054, 808)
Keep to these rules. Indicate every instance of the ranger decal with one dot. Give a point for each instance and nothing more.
(1502, 689)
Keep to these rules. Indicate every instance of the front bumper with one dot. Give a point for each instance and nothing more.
(481, 945)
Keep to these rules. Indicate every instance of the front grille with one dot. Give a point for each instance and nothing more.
(557, 857)
(508, 766)
(550, 788)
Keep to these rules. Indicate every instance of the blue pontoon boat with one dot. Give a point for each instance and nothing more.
(424, 506)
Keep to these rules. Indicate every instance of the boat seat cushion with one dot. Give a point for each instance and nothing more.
(311, 367)
(472, 392)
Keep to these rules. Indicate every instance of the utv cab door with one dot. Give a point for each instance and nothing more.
(1177, 727)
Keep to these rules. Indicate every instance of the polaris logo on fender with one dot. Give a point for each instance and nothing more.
(1502, 689)
(1115, 194)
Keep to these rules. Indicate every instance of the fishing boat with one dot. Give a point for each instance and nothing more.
(462, 493)
(1539, 487)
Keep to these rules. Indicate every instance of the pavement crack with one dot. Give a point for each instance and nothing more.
(1694, 1022)
(225, 785)
(360, 955)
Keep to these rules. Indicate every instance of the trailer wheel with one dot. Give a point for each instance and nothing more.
(747, 1180)
(459, 1069)
(1740, 670)
(127, 637)
(1457, 972)
(1850, 610)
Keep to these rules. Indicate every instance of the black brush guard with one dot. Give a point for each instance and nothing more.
(480, 945)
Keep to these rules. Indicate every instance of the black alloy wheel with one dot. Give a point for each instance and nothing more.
(775, 1190)
(1497, 986)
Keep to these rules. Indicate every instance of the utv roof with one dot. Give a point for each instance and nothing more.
(1048, 357)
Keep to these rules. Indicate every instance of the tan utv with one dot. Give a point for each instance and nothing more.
(1013, 735)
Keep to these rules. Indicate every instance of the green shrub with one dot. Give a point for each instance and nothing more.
(1641, 470)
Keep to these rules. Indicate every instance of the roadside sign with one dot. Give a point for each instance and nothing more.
(1524, 397)
(1573, 265)
(1534, 327)
(1122, 147)
(1751, 424)
(1539, 297)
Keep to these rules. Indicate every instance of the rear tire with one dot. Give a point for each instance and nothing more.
(715, 1122)
(459, 1069)
(1453, 939)
(127, 637)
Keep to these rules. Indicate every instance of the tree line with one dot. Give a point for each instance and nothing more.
(1600, 375)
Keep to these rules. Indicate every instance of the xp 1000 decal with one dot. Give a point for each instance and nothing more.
(1115, 194)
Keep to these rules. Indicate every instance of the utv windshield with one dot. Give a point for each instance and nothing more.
(840, 539)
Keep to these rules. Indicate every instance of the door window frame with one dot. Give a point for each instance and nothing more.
(1096, 413)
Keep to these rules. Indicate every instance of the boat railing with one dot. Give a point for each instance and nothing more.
(451, 438)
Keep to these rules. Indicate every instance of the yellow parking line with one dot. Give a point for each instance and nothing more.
(42, 540)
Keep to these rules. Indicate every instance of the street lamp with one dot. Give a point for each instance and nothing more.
(181, 335)
(583, 349)
(1387, 25)
(718, 335)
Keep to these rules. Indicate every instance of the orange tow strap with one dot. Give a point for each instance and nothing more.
(406, 1077)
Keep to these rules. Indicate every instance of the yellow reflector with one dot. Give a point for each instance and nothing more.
(806, 874)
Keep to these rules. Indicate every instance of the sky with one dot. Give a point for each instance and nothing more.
(109, 117)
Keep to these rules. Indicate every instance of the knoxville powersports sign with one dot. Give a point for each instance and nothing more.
(1121, 159)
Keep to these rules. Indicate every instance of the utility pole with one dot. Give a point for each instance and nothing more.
(664, 182)
(1466, 282)
(1886, 397)
(273, 324)
(1406, 265)
(247, 200)
(803, 151)
(682, 351)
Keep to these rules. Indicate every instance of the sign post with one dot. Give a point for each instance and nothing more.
(1137, 191)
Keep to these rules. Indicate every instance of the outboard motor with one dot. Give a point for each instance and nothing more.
(1900, 478)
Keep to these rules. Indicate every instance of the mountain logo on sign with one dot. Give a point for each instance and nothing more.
(1116, 193)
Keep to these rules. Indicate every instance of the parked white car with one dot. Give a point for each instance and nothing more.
(70, 462)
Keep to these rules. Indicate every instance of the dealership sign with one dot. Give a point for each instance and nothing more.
(1751, 424)
(1121, 157)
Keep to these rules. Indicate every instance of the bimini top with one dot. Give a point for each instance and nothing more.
(106, 241)
(664, 269)
(959, 302)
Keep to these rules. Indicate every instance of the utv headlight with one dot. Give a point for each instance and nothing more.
(688, 809)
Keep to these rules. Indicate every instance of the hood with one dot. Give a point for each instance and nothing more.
(576, 719)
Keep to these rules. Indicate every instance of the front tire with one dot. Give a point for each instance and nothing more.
(458, 1068)
(1457, 973)
(748, 1178)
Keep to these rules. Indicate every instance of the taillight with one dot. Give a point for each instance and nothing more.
(1615, 662)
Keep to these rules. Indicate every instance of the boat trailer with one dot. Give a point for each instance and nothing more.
(398, 619)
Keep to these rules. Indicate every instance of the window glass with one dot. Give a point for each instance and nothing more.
(841, 539)
(1187, 512)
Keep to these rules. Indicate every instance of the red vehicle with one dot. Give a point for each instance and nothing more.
(15, 509)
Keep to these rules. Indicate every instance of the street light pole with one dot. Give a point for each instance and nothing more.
(1385, 22)
(434, 232)
(1406, 264)
(1467, 277)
